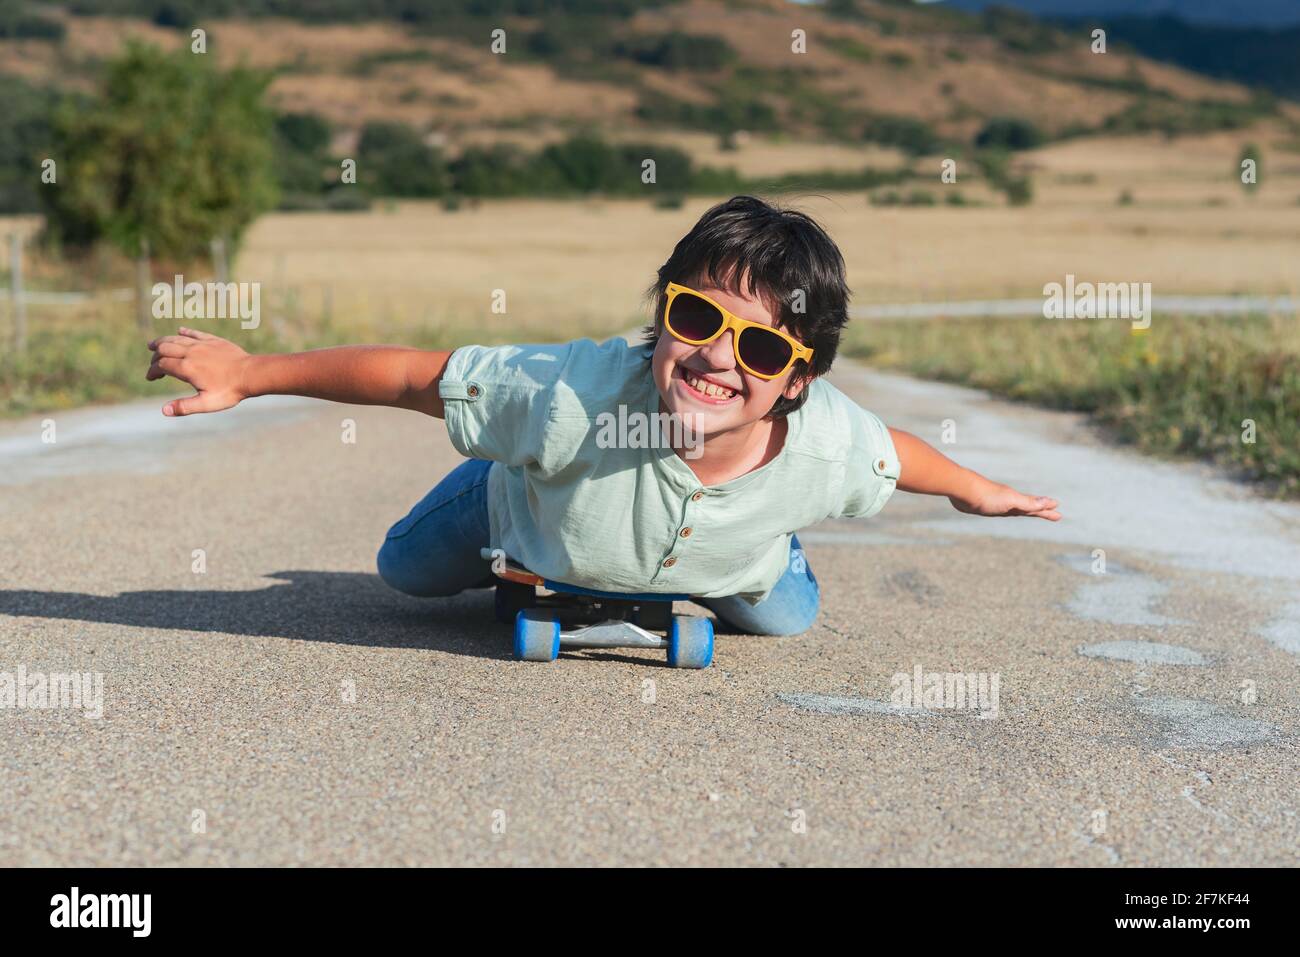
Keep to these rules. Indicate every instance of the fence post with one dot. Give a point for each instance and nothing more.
(144, 315)
(16, 293)
(280, 299)
(219, 259)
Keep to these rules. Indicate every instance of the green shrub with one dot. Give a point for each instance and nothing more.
(1181, 117)
(850, 48)
(1009, 133)
(1021, 31)
(677, 51)
(743, 112)
(905, 132)
(995, 164)
(181, 14)
(26, 138)
(302, 163)
(583, 164)
(893, 197)
(1182, 387)
(497, 170)
(1019, 191)
(392, 160)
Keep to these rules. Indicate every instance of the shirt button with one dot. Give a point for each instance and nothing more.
(670, 561)
(686, 532)
(881, 465)
(472, 391)
(697, 496)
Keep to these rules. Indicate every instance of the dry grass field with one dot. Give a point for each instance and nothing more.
(580, 267)
(1190, 229)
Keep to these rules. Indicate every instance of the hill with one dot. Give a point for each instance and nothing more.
(888, 72)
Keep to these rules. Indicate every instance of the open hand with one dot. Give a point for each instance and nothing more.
(1002, 500)
(214, 366)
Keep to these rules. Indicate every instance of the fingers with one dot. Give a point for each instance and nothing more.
(1046, 508)
(1035, 506)
(155, 370)
(173, 347)
(168, 351)
(175, 342)
(189, 405)
(1042, 507)
(184, 336)
(1035, 503)
(165, 365)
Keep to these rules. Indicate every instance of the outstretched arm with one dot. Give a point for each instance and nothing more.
(926, 470)
(223, 374)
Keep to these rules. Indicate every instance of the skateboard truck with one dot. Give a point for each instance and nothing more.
(565, 616)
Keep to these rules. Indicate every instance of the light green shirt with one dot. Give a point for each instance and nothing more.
(637, 519)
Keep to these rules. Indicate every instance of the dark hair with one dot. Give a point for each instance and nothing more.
(781, 252)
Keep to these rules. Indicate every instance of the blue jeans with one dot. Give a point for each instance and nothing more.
(434, 551)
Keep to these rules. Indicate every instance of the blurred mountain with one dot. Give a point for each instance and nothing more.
(916, 77)
(1229, 13)
(1258, 57)
(1253, 43)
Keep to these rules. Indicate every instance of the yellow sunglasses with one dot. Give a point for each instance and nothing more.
(762, 351)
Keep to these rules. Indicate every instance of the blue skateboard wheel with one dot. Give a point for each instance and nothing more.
(537, 635)
(690, 642)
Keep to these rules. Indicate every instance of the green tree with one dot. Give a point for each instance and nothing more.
(25, 136)
(172, 151)
(302, 158)
(907, 133)
(392, 160)
(1010, 133)
(497, 170)
(583, 163)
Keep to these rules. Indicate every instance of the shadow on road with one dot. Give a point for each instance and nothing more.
(348, 608)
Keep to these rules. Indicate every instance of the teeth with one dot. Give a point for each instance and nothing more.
(708, 388)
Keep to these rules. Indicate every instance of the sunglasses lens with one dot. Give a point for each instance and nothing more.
(764, 351)
(693, 318)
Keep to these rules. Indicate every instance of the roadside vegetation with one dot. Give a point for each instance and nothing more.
(77, 357)
(1222, 389)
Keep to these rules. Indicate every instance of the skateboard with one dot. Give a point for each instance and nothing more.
(565, 616)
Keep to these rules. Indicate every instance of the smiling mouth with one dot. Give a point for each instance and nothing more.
(709, 391)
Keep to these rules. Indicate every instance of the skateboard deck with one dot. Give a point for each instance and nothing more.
(549, 616)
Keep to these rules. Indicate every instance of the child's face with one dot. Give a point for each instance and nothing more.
(681, 370)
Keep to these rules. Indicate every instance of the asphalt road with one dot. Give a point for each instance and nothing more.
(281, 706)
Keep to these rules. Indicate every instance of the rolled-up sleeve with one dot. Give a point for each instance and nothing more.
(497, 400)
(872, 467)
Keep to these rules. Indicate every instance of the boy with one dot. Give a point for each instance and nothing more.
(748, 313)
